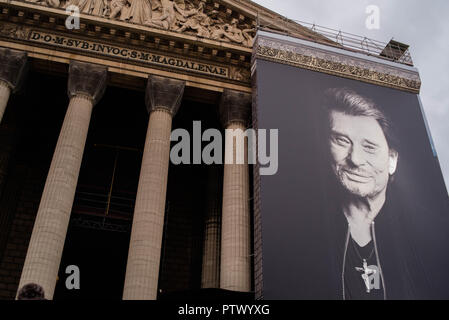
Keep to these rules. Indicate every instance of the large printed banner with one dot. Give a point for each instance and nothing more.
(358, 208)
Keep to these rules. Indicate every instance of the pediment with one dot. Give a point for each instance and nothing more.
(230, 21)
(209, 42)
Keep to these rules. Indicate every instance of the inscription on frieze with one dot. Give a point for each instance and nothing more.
(129, 54)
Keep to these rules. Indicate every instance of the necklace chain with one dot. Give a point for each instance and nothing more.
(358, 253)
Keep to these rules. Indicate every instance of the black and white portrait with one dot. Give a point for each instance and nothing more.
(359, 209)
(379, 258)
(363, 160)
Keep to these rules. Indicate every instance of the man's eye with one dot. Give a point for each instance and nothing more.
(370, 149)
(342, 141)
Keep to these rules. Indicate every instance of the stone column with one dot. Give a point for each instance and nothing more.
(235, 269)
(163, 98)
(12, 68)
(210, 276)
(86, 86)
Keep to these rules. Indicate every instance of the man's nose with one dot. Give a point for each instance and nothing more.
(356, 156)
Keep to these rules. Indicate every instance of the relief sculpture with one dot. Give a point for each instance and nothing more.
(186, 16)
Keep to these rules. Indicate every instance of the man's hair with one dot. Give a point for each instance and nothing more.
(351, 103)
(31, 291)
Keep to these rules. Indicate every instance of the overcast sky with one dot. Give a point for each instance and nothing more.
(424, 25)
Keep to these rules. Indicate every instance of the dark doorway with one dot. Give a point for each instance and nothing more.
(98, 236)
(182, 249)
(101, 258)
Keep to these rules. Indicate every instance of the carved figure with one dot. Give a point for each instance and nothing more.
(249, 39)
(94, 7)
(218, 33)
(13, 31)
(195, 19)
(116, 8)
(233, 33)
(239, 74)
(167, 19)
(47, 3)
(139, 12)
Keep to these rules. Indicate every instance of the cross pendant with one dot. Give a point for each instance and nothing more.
(365, 275)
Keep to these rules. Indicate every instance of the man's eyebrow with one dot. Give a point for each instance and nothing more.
(337, 133)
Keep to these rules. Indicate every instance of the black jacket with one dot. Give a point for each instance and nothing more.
(413, 248)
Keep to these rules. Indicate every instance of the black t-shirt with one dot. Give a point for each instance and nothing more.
(356, 288)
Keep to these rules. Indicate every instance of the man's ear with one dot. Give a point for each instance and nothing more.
(393, 161)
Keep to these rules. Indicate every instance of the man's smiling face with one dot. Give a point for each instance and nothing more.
(361, 158)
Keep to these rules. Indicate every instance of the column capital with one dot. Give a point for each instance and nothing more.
(87, 79)
(12, 67)
(235, 106)
(164, 93)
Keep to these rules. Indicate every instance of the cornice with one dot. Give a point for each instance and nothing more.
(17, 19)
(334, 61)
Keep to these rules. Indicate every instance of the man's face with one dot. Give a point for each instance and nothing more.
(361, 158)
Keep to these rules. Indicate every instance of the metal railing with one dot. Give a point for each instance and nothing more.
(95, 208)
(392, 51)
(97, 201)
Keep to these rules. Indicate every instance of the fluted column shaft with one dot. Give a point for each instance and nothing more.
(50, 227)
(142, 271)
(235, 269)
(210, 275)
(236, 228)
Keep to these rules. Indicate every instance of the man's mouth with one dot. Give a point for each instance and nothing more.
(357, 176)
